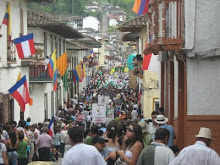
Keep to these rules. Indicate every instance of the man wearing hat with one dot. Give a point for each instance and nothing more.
(161, 121)
(199, 153)
(147, 138)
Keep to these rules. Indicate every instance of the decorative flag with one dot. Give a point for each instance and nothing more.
(25, 46)
(112, 70)
(136, 6)
(91, 54)
(62, 64)
(19, 76)
(20, 92)
(51, 127)
(6, 19)
(77, 73)
(151, 63)
(52, 69)
(143, 7)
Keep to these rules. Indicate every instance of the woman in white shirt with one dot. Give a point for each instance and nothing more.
(133, 137)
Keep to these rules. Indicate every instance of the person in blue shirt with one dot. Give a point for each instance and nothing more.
(161, 121)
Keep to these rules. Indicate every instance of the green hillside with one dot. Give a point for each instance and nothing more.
(77, 7)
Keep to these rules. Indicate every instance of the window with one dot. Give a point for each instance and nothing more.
(45, 105)
(60, 43)
(21, 22)
(56, 46)
(45, 44)
(11, 111)
(64, 46)
(155, 104)
(51, 44)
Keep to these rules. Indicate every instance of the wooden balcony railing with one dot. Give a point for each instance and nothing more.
(38, 73)
(165, 25)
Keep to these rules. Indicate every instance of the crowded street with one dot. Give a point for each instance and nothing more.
(109, 82)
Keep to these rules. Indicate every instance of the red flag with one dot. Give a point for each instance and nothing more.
(146, 61)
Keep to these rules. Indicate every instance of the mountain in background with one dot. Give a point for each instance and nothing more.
(77, 7)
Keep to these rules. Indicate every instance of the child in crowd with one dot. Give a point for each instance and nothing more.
(22, 149)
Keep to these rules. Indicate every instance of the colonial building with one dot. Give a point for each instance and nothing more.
(49, 35)
(185, 34)
(10, 64)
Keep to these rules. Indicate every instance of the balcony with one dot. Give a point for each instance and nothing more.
(165, 26)
(38, 73)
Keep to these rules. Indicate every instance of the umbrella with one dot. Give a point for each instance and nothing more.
(130, 61)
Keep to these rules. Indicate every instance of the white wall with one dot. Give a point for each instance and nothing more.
(202, 25)
(203, 87)
(37, 91)
(91, 22)
(113, 22)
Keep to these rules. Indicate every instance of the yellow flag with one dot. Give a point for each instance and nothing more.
(79, 71)
(126, 69)
(62, 64)
(136, 6)
(19, 77)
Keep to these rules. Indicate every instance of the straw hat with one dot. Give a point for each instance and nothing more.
(144, 126)
(161, 119)
(205, 133)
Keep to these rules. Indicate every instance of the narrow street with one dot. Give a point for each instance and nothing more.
(109, 82)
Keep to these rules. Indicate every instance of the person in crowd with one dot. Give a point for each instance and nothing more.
(12, 145)
(81, 153)
(3, 153)
(22, 149)
(63, 134)
(94, 132)
(112, 144)
(99, 143)
(28, 122)
(44, 143)
(21, 126)
(152, 124)
(198, 153)
(147, 138)
(157, 153)
(161, 121)
(31, 139)
(131, 152)
(88, 120)
(134, 113)
(175, 150)
(161, 111)
(6, 129)
(56, 141)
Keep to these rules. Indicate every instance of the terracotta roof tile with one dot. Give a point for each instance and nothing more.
(36, 19)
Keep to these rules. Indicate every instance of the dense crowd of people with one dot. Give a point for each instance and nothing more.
(128, 139)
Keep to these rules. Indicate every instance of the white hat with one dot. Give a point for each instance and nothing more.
(144, 126)
(205, 133)
(161, 119)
